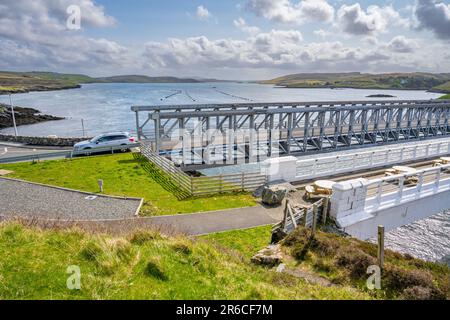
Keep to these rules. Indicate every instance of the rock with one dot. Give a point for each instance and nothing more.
(273, 195)
(42, 141)
(269, 257)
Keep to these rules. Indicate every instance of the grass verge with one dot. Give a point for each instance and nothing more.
(143, 265)
(122, 176)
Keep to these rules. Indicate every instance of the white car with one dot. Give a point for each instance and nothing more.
(114, 139)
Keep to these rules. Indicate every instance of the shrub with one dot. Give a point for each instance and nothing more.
(355, 262)
(398, 279)
(422, 293)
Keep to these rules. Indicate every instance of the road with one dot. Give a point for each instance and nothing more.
(8, 150)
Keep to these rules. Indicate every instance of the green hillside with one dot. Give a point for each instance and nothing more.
(407, 81)
(443, 87)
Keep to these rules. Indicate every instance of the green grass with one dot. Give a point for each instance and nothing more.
(247, 242)
(446, 97)
(145, 265)
(122, 176)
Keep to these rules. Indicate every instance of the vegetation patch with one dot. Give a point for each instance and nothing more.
(346, 261)
(34, 266)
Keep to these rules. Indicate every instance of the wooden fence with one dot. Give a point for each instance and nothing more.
(307, 216)
(205, 185)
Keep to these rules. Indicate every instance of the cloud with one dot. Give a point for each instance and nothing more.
(285, 11)
(277, 49)
(203, 13)
(40, 36)
(402, 44)
(352, 19)
(242, 24)
(434, 16)
(322, 33)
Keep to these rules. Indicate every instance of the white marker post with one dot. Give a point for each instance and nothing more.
(100, 184)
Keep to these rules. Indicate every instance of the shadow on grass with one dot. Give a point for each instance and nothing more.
(161, 178)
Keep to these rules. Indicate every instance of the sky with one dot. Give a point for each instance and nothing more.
(226, 39)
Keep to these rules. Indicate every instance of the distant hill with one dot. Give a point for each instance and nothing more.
(409, 81)
(18, 82)
(144, 79)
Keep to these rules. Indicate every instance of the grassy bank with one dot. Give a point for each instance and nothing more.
(122, 176)
(446, 97)
(344, 262)
(144, 265)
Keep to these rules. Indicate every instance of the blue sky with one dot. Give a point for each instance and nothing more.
(231, 39)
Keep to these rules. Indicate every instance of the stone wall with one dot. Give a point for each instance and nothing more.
(42, 141)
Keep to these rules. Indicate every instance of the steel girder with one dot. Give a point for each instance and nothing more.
(290, 128)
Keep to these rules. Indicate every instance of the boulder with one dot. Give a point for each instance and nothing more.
(273, 195)
(269, 257)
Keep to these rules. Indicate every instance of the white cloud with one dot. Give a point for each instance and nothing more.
(402, 44)
(435, 16)
(352, 19)
(242, 24)
(40, 37)
(203, 13)
(285, 11)
(322, 33)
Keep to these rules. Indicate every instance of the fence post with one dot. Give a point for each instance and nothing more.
(305, 216)
(326, 205)
(243, 181)
(285, 214)
(380, 246)
(314, 224)
(220, 183)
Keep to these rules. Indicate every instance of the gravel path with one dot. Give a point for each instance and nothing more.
(28, 200)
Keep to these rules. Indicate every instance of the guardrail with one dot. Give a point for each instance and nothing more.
(66, 154)
(393, 190)
(329, 166)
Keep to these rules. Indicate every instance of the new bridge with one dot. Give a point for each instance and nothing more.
(278, 135)
(217, 134)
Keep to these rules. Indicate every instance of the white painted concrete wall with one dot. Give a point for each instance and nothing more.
(277, 169)
(360, 215)
(323, 166)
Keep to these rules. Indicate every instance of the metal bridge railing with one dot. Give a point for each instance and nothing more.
(329, 166)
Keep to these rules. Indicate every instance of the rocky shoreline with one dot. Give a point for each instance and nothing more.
(23, 116)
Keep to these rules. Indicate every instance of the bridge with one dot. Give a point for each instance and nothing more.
(301, 142)
(217, 134)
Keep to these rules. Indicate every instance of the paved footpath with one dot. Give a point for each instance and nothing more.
(28, 200)
(195, 223)
(33, 201)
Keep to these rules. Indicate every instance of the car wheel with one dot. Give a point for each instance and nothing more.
(124, 149)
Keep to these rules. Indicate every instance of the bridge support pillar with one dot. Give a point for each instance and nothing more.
(284, 168)
(348, 197)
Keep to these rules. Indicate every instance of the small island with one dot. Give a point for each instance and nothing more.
(23, 116)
